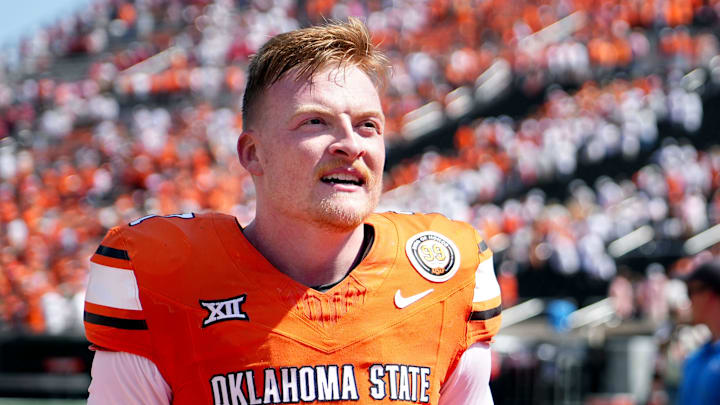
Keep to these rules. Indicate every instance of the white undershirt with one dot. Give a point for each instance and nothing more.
(120, 378)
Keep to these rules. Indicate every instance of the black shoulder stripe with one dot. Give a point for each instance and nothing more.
(112, 252)
(485, 315)
(119, 323)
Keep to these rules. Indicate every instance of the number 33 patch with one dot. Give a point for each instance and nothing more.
(433, 255)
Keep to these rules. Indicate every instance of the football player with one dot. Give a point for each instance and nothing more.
(318, 299)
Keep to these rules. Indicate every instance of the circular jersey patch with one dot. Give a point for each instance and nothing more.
(433, 255)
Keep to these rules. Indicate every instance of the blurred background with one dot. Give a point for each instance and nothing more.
(580, 137)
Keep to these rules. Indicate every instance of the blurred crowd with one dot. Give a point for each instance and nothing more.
(131, 107)
(675, 193)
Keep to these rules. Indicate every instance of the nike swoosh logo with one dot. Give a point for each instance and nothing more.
(402, 302)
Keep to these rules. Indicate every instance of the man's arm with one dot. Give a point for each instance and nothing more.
(120, 378)
(470, 381)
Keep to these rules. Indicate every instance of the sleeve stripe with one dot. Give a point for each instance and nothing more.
(111, 262)
(486, 285)
(485, 305)
(112, 287)
(119, 323)
(485, 315)
(113, 312)
(112, 252)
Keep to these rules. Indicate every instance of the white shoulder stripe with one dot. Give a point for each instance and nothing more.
(486, 285)
(112, 287)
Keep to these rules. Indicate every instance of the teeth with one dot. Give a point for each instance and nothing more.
(341, 177)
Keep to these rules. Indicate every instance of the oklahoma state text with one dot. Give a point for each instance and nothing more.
(306, 384)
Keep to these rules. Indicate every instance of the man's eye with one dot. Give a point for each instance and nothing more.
(314, 121)
(370, 126)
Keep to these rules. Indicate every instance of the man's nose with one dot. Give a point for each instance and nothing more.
(348, 143)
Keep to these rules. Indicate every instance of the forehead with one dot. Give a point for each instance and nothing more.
(343, 87)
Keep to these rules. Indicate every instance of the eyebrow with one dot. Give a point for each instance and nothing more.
(319, 109)
(311, 109)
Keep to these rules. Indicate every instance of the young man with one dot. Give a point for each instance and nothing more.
(701, 373)
(317, 299)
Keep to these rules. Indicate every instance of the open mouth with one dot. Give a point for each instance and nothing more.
(342, 178)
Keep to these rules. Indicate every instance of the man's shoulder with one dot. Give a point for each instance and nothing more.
(701, 355)
(435, 245)
(185, 221)
(169, 227)
(161, 238)
(426, 221)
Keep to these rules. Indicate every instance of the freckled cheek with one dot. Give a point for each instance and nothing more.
(299, 158)
(377, 155)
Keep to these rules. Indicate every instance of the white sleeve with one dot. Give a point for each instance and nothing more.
(120, 378)
(470, 381)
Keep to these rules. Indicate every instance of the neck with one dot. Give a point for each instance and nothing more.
(308, 254)
(714, 326)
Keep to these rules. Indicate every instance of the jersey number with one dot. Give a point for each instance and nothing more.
(436, 253)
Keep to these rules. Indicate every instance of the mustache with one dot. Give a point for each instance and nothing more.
(358, 166)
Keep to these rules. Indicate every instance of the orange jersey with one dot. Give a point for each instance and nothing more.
(224, 326)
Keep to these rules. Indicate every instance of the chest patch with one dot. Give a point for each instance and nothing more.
(433, 255)
(224, 310)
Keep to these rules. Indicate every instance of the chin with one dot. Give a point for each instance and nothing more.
(342, 215)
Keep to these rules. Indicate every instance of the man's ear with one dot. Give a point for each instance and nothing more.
(247, 150)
